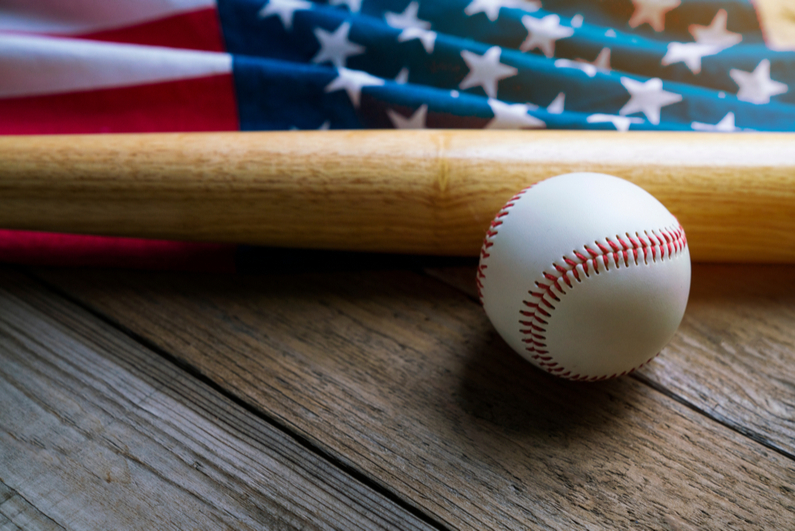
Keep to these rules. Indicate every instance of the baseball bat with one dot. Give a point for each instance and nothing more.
(424, 192)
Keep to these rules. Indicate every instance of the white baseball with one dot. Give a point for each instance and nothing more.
(585, 275)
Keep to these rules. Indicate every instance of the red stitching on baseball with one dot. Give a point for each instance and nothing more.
(661, 244)
(671, 241)
(490, 234)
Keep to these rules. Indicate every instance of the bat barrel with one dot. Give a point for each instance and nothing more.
(428, 192)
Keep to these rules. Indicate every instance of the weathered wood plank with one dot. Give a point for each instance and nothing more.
(17, 513)
(99, 433)
(734, 355)
(403, 378)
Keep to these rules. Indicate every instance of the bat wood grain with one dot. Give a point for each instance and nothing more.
(424, 192)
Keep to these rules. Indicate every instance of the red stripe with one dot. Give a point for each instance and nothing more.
(202, 104)
(195, 30)
(71, 250)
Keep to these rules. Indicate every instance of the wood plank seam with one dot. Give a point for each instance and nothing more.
(196, 374)
(8, 495)
(737, 428)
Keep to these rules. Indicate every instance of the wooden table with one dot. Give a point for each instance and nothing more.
(328, 392)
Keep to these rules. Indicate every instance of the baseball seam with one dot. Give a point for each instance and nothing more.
(488, 240)
(616, 252)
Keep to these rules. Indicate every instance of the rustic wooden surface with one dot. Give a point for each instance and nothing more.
(425, 191)
(732, 357)
(98, 432)
(392, 383)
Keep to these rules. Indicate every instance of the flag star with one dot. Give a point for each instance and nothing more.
(757, 87)
(353, 81)
(726, 125)
(653, 12)
(621, 123)
(284, 9)
(543, 32)
(577, 20)
(602, 61)
(588, 68)
(427, 38)
(485, 70)
(689, 53)
(647, 97)
(512, 116)
(716, 33)
(353, 5)
(403, 76)
(325, 126)
(408, 18)
(600, 64)
(556, 107)
(415, 121)
(492, 7)
(335, 46)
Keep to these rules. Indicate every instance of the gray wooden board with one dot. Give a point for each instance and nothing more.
(97, 432)
(402, 377)
(733, 357)
(17, 513)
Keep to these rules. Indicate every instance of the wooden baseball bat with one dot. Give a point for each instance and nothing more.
(431, 192)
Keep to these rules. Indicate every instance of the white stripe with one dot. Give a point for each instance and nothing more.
(32, 65)
(70, 17)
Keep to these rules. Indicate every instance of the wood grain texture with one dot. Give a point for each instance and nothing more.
(402, 378)
(733, 357)
(423, 192)
(734, 354)
(18, 514)
(97, 432)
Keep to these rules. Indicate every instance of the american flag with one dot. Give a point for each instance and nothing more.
(90, 66)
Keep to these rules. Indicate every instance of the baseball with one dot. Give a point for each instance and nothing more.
(585, 275)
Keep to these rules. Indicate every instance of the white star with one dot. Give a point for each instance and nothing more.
(689, 53)
(600, 64)
(716, 33)
(621, 123)
(492, 7)
(353, 5)
(285, 9)
(416, 121)
(543, 32)
(556, 107)
(653, 12)
(757, 87)
(512, 116)
(353, 81)
(485, 70)
(336, 47)
(403, 76)
(602, 61)
(726, 125)
(647, 97)
(427, 38)
(407, 19)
